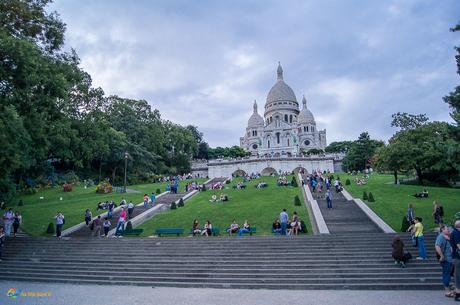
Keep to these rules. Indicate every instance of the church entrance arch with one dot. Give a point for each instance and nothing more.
(268, 171)
(300, 169)
(239, 173)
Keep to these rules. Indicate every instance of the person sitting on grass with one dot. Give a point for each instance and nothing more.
(233, 228)
(276, 226)
(196, 227)
(223, 197)
(246, 227)
(213, 198)
(423, 194)
(207, 229)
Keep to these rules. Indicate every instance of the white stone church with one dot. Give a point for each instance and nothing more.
(285, 129)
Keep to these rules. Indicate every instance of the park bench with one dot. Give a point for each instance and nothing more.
(252, 230)
(165, 231)
(215, 231)
(133, 232)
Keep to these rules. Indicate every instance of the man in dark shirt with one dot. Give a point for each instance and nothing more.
(455, 243)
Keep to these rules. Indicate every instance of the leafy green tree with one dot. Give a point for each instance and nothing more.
(408, 121)
(339, 147)
(360, 154)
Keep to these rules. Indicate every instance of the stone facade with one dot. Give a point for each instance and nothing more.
(285, 129)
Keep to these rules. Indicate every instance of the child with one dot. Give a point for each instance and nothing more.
(106, 224)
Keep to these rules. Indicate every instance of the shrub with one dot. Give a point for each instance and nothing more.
(158, 191)
(227, 181)
(181, 203)
(71, 177)
(294, 182)
(67, 187)
(297, 201)
(347, 182)
(129, 226)
(20, 203)
(203, 189)
(104, 188)
(405, 224)
(365, 196)
(303, 227)
(50, 229)
(371, 197)
(173, 205)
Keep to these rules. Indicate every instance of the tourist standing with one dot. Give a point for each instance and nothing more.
(410, 214)
(60, 220)
(97, 223)
(111, 207)
(444, 252)
(152, 199)
(146, 201)
(337, 185)
(130, 209)
(121, 222)
(88, 216)
(284, 217)
(455, 244)
(2, 242)
(106, 224)
(16, 222)
(8, 219)
(437, 213)
(329, 199)
(418, 232)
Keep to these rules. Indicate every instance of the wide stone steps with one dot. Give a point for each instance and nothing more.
(341, 261)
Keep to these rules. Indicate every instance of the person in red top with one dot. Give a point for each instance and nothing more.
(121, 223)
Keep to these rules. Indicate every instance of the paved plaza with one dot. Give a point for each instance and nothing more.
(71, 294)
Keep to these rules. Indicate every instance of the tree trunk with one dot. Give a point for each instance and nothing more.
(114, 171)
(419, 175)
(395, 173)
(100, 169)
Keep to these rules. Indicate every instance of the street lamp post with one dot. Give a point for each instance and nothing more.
(126, 167)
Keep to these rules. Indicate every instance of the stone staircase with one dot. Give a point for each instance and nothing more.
(336, 261)
(345, 215)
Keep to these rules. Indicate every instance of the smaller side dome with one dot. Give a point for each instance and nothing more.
(305, 115)
(255, 120)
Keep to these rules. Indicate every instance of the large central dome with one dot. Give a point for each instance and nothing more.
(281, 96)
(280, 91)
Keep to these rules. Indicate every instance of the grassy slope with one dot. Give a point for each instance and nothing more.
(391, 200)
(37, 214)
(259, 206)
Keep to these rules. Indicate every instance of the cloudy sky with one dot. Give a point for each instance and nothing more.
(205, 62)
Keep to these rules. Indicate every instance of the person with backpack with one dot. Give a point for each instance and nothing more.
(444, 255)
(455, 244)
(88, 216)
(16, 222)
(438, 213)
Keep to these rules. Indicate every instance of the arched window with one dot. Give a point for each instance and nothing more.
(312, 129)
(290, 118)
(278, 138)
(288, 142)
(307, 128)
(285, 117)
(268, 143)
(255, 133)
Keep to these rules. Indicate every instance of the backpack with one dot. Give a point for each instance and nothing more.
(441, 211)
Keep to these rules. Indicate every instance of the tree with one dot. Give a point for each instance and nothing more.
(408, 121)
(359, 156)
(339, 147)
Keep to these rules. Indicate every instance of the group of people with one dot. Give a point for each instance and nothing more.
(285, 226)
(447, 246)
(234, 227)
(360, 181)
(422, 194)
(11, 221)
(239, 186)
(221, 198)
(206, 230)
(318, 182)
(282, 181)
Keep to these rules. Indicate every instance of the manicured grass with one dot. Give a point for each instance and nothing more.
(38, 213)
(259, 206)
(391, 200)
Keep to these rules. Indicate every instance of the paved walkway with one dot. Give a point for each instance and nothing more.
(71, 294)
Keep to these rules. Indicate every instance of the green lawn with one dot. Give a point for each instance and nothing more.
(259, 206)
(38, 213)
(391, 200)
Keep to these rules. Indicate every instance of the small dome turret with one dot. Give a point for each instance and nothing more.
(305, 115)
(255, 120)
